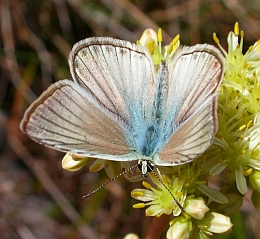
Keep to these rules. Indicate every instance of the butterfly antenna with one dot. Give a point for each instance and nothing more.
(176, 201)
(111, 180)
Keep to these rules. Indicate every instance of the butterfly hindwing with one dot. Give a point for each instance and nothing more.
(192, 138)
(67, 118)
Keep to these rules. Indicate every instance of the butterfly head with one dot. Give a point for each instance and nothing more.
(145, 166)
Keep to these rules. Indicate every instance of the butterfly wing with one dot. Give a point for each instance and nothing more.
(195, 74)
(119, 74)
(67, 118)
(192, 138)
(94, 114)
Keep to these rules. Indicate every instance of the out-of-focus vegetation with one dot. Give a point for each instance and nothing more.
(38, 199)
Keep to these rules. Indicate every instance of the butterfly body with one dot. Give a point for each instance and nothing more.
(119, 106)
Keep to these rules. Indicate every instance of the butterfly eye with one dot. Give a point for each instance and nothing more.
(150, 167)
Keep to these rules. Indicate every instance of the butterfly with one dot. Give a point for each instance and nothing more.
(120, 106)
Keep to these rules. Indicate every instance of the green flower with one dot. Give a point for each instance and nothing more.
(159, 200)
(185, 184)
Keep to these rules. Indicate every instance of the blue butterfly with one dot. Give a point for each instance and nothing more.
(120, 106)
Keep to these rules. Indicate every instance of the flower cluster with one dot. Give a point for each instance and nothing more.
(238, 139)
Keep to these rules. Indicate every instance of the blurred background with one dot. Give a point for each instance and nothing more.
(38, 199)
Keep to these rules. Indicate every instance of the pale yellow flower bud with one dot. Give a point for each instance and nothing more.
(74, 162)
(215, 223)
(180, 229)
(196, 208)
(148, 34)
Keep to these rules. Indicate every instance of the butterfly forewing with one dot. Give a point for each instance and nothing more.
(119, 74)
(195, 75)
